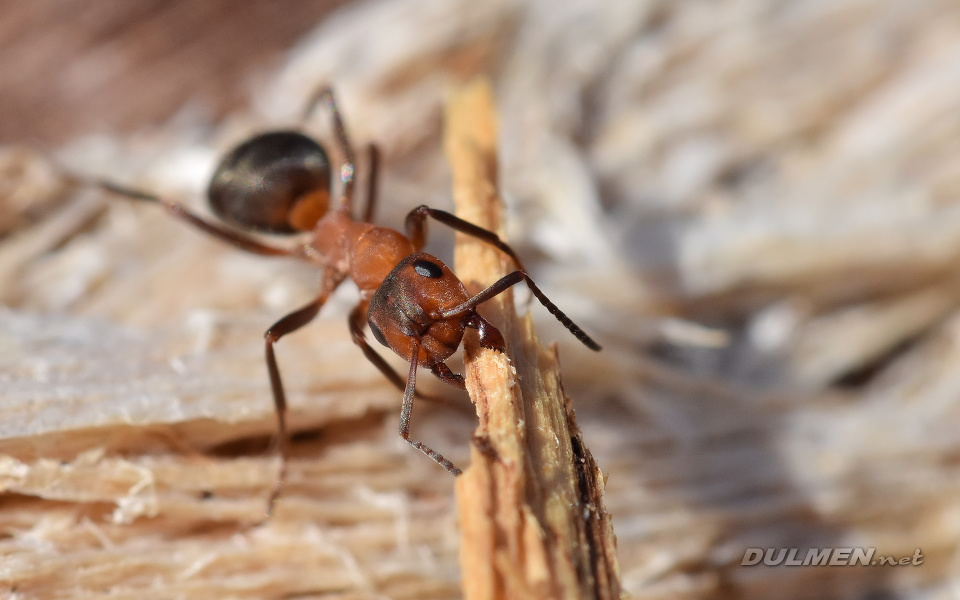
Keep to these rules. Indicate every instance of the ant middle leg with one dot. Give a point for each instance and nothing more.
(287, 324)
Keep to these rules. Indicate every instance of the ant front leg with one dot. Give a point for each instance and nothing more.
(444, 374)
(417, 230)
(358, 316)
(357, 319)
(406, 411)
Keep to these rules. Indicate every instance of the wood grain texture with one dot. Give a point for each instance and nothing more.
(533, 523)
(71, 67)
(753, 205)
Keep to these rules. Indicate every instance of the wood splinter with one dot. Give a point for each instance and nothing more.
(530, 504)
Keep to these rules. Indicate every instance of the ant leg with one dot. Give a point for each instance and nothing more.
(324, 95)
(287, 324)
(358, 317)
(372, 183)
(490, 336)
(417, 230)
(179, 211)
(406, 410)
(508, 281)
(444, 374)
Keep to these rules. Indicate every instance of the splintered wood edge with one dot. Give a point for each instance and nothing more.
(530, 504)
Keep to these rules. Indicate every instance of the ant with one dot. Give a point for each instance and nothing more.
(280, 182)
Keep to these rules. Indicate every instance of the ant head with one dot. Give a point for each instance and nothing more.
(277, 182)
(404, 307)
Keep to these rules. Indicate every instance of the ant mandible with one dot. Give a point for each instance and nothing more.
(280, 182)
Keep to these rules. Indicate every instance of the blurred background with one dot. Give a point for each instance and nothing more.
(753, 205)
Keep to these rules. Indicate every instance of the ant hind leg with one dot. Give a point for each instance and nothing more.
(373, 169)
(325, 95)
(181, 212)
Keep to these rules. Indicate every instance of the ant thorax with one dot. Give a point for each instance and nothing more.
(361, 251)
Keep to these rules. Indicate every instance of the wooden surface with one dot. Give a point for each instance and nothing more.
(72, 67)
(753, 205)
(532, 519)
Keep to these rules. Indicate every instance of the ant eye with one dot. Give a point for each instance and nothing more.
(428, 269)
(378, 334)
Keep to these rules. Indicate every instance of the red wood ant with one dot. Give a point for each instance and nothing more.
(280, 183)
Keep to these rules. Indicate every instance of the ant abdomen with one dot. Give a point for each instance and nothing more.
(276, 182)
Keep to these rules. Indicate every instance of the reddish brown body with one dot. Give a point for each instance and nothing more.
(279, 183)
(361, 251)
(407, 306)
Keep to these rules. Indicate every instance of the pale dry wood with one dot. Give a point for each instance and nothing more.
(131, 466)
(783, 173)
(827, 346)
(533, 523)
(135, 419)
(71, 67)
